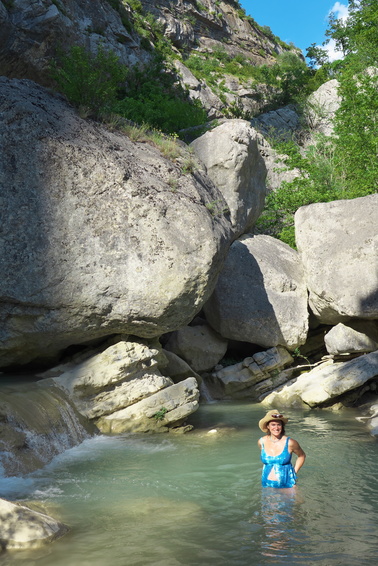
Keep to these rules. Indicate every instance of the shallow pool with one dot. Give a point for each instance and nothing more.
(196, 499)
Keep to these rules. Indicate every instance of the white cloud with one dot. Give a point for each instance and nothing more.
(332, 52)
(340, 10)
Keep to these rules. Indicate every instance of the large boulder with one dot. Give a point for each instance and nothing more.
(200, 346)
(233, 162)
(94, 240)
(325, 383)
(338, 245)
(177, 368)
(166, 408)
(281, 123)
(253, 376)
(121, 388)
(22, 528)
(343, 338)
(321, 108)
(121, 375)
(261, 296)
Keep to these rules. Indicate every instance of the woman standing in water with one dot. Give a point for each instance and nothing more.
(276, 450)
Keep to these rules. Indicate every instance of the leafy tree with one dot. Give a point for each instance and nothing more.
(345, 165)
(356, 127)
(339, 31)
(317, 55)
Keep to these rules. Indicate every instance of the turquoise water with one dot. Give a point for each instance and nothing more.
(196, 499)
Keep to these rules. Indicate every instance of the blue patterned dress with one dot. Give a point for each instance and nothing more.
(281, 466)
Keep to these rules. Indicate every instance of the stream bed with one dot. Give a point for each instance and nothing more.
(194, 499)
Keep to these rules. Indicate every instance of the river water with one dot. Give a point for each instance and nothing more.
(196, 499)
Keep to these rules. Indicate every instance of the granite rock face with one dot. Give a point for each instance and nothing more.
(338, 245)
(33, 31)
(94, 240)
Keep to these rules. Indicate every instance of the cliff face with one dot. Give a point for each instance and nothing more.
(208, 25)
(33, 33)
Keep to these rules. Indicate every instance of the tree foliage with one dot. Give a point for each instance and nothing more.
(345, 165)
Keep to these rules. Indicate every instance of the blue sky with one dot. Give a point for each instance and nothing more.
(299, 21)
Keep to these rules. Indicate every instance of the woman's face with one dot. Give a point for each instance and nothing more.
(274, 427)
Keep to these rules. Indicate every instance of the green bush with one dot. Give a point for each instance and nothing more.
(153, 97)
(89, 81)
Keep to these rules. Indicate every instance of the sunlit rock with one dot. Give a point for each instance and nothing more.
(233, 162)
(325, 382)
(338, 245)
(370, 418)
(94, 240)
(320, 109)
(281, 123)
(170, 406)
(343, 338)
(255, 375)
(121, 375)
(22, 528)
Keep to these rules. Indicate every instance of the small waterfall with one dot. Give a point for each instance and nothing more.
(36, 424)
(205, 395)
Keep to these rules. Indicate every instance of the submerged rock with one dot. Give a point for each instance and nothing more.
(22, 528)
(370, 418)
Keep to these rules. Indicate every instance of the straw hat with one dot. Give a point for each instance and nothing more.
(272, 415)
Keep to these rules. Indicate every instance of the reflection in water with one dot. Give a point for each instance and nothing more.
(278, 515)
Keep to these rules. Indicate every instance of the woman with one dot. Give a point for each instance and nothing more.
(276, 450)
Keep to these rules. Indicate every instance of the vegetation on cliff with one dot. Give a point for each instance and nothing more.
(345, 165)
(340, 166)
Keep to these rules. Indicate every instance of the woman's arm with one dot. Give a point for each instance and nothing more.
(301, 456)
